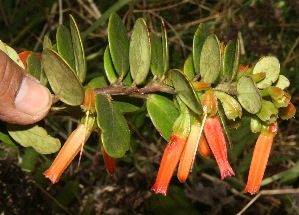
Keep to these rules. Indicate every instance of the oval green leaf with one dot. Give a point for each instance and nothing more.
(271, 67)
(34, 65)
(11, 53)
(165, 47)
(229, 60)
(186, 91)
(126, 104)
(115, 131)
(108, 66)
(64, 82)
(140, 52)
(189, 68)
(157, 66)
(78, 48)
(118, 44)
(65, 45)
(34, 136)
(210, 60)
(47, 43)
(248, 95)
(162, 113)
(199, 38)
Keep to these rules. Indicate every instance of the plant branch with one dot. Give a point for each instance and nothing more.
(152, 87)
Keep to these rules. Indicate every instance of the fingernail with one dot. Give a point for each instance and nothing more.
(32, 97)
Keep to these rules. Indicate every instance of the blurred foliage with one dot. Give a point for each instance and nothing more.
(263, 27)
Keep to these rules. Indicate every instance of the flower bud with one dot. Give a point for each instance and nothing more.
(255, 124)
(268, 112)
(209, 103)
(200, 85)
(231, 106)
(288, 112)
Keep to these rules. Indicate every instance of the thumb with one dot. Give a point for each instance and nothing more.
(23, 100)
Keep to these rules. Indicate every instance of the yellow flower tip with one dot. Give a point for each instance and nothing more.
(53, 176)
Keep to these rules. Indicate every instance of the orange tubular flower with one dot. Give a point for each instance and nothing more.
(67, 153)
(203, 147)
(216, 140)
(169, 162)
(189, 152)
(260, 158)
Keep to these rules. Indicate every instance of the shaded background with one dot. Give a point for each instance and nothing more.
(263, 27)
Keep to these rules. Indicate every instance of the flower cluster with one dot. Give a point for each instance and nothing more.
(204, 132)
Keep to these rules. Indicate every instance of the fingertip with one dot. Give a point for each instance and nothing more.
(33, 98)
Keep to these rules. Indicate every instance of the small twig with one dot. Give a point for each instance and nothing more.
(60, 12)
(269, 192)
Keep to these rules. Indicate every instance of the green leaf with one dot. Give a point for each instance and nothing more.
(118, 44)
(34, 136)
(210, 60)
(271, 67)
(182, 124)
(34, 65)
(11, 53)
(140, 52)
(98, 82)
(115, 131)
(237, 60)
(230, 60)
(126, 104)
(186, 91)
(5, 138)
(157, 66)
(108, 66)
(165, 48)
(248, 95)
(199, 38)
(65, 46)
(189, 68)
(282, 82)
(80, 62)
(162, 113)
(47, 43)
(29, 160)
(64, 82)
